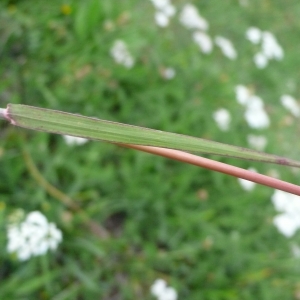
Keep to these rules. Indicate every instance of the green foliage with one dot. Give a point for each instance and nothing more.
(87, 16)
(197, 229)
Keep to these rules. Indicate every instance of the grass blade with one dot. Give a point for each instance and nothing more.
(76, 125)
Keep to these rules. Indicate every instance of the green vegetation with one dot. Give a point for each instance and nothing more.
(127, 217)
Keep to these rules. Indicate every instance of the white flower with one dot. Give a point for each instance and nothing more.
(290, 104)
(191, 19)
(242, 94)
(74, 140)
(246, 184)
(169, 10)
(165, 10)
(162, 291)
(253, 34)
(288, 221)
(286, 202)
(222, 118)
(258, 142)
(270, 49)
(203, 40)
(160, 4)
(32, 237)
(121, 55)
(161, 19)
(169, 294)
(168, 73)
(226, 47)
(257, 119)
(255, 114)
(286, 224)
(158, 287)
(36, 218)
(270, 46)
(260, 60)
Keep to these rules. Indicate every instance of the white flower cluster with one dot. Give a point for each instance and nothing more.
(32, 237)
(223, 118)
(190, 18)
(203, 40)
(226, 47)
(164, 11)
(121, 55)
(288, 221)
(74, 140)
(160, 290)
(246, 184)
(290, 104)
(270, 49)
(255, 114)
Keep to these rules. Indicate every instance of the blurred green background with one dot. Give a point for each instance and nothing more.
(129, 218)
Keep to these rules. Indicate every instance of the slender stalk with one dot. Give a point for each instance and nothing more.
(219, 167)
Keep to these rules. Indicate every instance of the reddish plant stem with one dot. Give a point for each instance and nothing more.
(219, 167)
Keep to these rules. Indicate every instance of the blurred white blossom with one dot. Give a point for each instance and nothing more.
(160, 290)
(203, 40)
(160, 4)
(257, 142)
(168, 73)
(121, 55)
(223, 118)
(74, 140)
(254, 35)
(242, 94)
(161, 19)
(288, 221)
(255, 114)
(287, 224)
(260, 60)
(270, 46)
(32, 237)
(191, 19)
(226, 47)
(164, 11)
(246, 184)
(290, 104)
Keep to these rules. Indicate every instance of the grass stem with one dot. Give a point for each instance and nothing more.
(219, 167)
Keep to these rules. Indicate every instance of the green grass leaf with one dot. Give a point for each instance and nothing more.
(91, 128)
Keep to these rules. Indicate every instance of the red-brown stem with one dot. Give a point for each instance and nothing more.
(219, 167)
